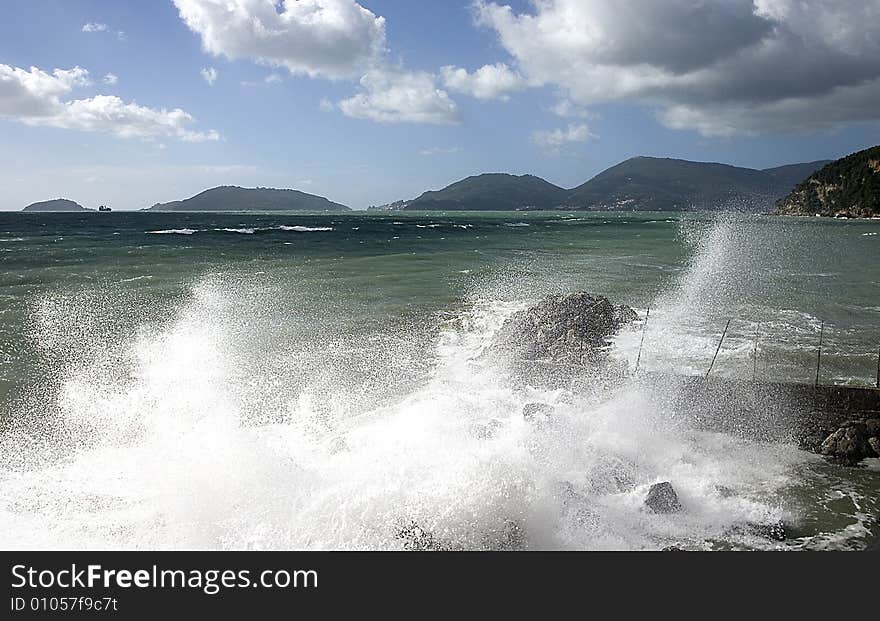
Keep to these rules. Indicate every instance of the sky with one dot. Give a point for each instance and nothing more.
(129, 103)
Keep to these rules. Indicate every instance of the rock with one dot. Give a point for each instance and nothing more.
(564, 328)
(417, 539)
(872, 427)
(775, 531)
(848, 445)
(874, 443)
(663, 499)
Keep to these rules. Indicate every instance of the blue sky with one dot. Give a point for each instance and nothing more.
(350, 100)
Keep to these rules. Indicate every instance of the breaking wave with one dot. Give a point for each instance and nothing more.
(242, 432)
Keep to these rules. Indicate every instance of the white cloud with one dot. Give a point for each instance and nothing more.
(553, 140)
(35, 92)
(488, 82)
(318, 38)
(210, 75)
(274, 78)
(94, 27)
(396, 96)
(720, 67)
(34, 97)
(110, 79)
(325, 105)
(569, 110)
(331, 39)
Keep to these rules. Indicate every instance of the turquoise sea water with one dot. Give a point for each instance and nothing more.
(314, 381)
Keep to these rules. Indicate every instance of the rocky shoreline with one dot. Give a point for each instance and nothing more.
(572, 333)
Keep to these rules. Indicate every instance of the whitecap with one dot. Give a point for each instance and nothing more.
(306, 229)
(174, 232)
(241, 231)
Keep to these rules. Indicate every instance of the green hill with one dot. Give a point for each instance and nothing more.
(492, 192)
(641, 183)
(56, 205)
(659, 184)
(232, 198)
(848, 187)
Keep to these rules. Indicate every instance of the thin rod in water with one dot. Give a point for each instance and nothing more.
(755, 354)
(642, 344)
(819, 357)
(717, 351)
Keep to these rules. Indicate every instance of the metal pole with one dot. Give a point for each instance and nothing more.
(717, 351)
(819, 357)
(878, 369)
(642, 344)
(755, 355)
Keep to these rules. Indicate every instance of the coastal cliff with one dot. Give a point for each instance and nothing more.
(849, 187)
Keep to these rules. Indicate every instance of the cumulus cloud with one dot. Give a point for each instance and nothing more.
(210, 75)
(34, 97)
(94, 27)
(569, 110)
(555, 139)
(331, 39)
(318, 38)
(397, 96)
(720, 67)
(488, 82)
(110, 78)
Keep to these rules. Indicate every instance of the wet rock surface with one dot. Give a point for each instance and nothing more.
(571, 328)
(853, 442)
(663, 499)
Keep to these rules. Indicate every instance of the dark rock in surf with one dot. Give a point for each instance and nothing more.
(571, 328)
(663, 499)
(775, 531)
(417, 539)
(848, 445)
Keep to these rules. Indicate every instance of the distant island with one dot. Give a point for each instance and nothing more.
(491, 192)
(233, 198)
(56, 205)
(641, 183)
(849, 187)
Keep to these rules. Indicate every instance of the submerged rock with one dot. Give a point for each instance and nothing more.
(564, 328)
(663, 499)
(775, 531)
(849, 444)
(417, 539)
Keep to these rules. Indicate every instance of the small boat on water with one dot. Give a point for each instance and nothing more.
(104, 208)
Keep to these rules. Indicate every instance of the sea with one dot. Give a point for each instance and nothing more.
(281, 381)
